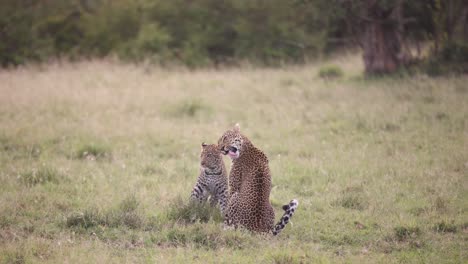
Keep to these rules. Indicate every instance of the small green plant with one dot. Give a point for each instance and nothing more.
(403, 233)
(330, 72)
(417, 211)
(14, 257)
(287, 82)
(39, 176)
(444, 227)
(176, 237)
(19, 150)
(451, 59)
(93, 151)
(352, 198)
(87, 219)
(285, 258)
(188, 108)
(127, 214)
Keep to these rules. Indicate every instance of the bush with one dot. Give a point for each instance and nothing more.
(285, 258)
(454, 52)
(197, 33)
(18, 43)
(330, 72)
(452, 59)
(188, 108)
(87, 219)
(403, 233)
(150, 44)
(93, 151)
(352, 198)
(444, 227)
(39, 176)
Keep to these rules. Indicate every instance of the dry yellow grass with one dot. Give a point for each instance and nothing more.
(379, 166)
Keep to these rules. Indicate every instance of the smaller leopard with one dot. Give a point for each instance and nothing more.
(213, 180)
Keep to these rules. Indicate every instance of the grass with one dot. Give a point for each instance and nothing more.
(183, 212)
(97, 161)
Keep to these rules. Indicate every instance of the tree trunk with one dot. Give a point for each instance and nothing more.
(383, 38)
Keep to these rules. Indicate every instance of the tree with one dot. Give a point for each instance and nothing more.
(382, 37)
(383, 29)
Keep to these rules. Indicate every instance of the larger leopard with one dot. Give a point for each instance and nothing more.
(250, 185)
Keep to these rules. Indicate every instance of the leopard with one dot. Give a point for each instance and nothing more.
(250, 186)
(212, 181)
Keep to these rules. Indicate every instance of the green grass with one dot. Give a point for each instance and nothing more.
(98, 159)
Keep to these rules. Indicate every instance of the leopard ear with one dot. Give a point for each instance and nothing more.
(237, 127)
(204, 144)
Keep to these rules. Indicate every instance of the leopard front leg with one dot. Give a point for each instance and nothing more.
(230, 221)
(221, 196)
(199, 193)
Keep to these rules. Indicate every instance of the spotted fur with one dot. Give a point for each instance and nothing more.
(212, 180)
(250, 186)
(289, 210)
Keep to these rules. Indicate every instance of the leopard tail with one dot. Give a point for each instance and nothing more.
(289, 210)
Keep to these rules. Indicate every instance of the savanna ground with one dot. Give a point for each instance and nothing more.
(98, 159)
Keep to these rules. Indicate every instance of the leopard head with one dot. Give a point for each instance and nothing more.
(210, 157)
(231, 142)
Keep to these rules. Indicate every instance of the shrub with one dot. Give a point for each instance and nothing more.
(150, 44)
(188, 108)
(39, 176)
(284, 259)
(403, 233)
(126, 214)
(352, 198)
(455, 52)
(93, 151)
(452, 59)
(444, 227)
(198, 33)
(330, 72)
(89, 218)
(17, 45)
(19, 150)
(14, 257)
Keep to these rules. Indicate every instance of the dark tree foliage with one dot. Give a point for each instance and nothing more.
(16, 32)
(210, 32)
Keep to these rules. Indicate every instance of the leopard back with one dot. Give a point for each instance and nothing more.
(250, 185)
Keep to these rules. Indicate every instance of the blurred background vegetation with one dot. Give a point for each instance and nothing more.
(393, 34)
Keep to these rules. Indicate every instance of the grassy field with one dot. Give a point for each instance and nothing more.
(97, 160)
